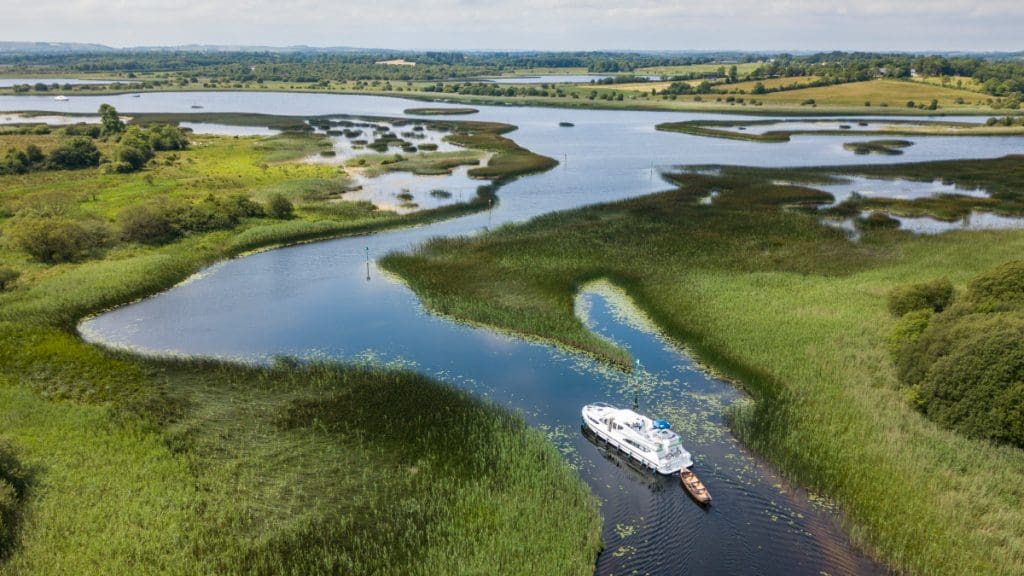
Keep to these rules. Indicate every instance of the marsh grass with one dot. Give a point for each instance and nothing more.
(883, 147)
(716, 129)
(794, 312)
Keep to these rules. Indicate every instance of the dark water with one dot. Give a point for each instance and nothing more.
(326, 299)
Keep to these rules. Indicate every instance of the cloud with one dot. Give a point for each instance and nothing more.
(527, 24)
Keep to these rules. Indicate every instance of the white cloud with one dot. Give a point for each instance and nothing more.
(527, 24)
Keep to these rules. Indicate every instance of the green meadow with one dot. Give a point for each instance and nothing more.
(796, 312)
(112, 463)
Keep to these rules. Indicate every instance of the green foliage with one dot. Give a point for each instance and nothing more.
(167, 137)
(7, 277)
(908, 328)
(967, 364)
(213, 213)
(14, 480)
(876, 221)
(110, 121)
(148, 224)
(280, 207)
(1000, 289)
(133, 150)
(59, 239)
(935, 296)
(78, 152)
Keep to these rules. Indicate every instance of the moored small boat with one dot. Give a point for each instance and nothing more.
(61, 98)
(694, 486)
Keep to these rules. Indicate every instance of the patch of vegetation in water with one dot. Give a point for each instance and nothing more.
(439, 111)
(883, 147)
(735, 130)
(792, 310)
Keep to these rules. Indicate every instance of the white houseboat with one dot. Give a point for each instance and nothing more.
(650, 442)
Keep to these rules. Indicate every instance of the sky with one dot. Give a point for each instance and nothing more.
(875, 25)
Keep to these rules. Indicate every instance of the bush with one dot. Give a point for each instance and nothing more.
(908, 329)
(1002, 288)
(59, 239)
(167, 137)
(82, 129)
(280, 207)
(7, 277)
(216, 214)
(13, 485)
(147, 224)
(935, 296)
(133, 149)
(976, 385)
(79, 152)
(965, 365)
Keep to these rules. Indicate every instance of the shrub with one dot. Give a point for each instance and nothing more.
(147, 224)
(167, 137)
(908, 329)
(1002, 288)
(212, 213)
(59, 239)
(965, 365)
(13, 485)
(280, 207)
(82, 129)
(133, 150)
(935, 296)
(79, 152)
(975, 385)
(7, 277)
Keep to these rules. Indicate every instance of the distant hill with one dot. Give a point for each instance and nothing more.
(29, 48)
(52, 48)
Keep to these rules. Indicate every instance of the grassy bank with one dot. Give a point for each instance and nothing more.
(737, 130)
(874, 97)
(762, 291)
(130, 465)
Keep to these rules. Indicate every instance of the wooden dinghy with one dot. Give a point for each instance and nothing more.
(694, 486)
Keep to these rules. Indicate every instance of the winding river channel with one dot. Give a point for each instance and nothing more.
(329, 300)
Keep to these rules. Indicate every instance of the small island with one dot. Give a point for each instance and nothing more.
(439, 111)
(884, 147)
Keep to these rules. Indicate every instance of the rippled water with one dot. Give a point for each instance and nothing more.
(330, 300)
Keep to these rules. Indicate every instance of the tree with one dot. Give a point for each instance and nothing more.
(733, 73)
(759, 88)
(110, 120)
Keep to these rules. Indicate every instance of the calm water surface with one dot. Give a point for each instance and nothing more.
(330, 300)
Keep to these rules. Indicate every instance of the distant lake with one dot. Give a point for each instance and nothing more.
(8, 82)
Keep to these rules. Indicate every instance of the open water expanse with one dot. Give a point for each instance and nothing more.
(330, 300)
